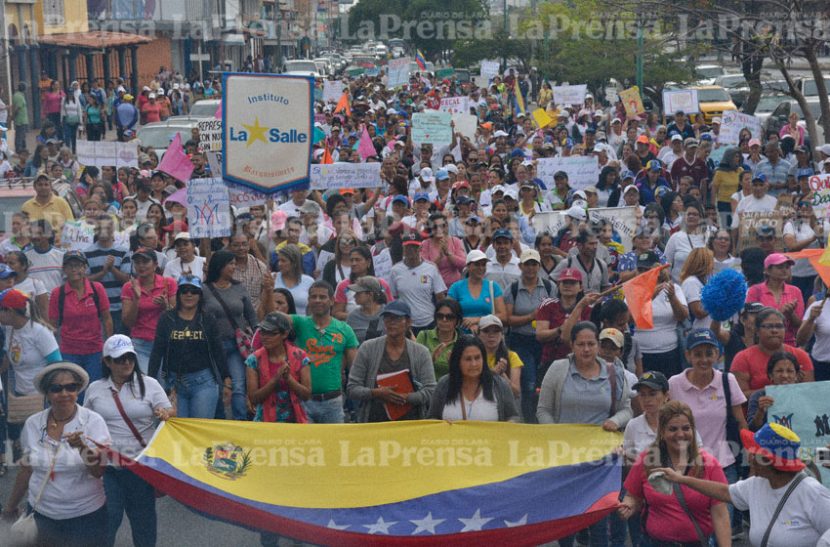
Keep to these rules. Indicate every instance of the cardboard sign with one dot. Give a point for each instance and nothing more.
(582, 170)
(333, 176)
(623, 219)
(101, 153)
(332, 91)
(569, 94)
(632, 102)
(398, 72)
(466, 124)
(680, 99)
(267, 130)
(733, 122)
(210, 135)
(750, 222)
(489, 70)
(77, 235)
(453, 105)
(208, 208)
(432, 127)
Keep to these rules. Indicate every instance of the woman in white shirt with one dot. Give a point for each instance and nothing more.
(61, 470)
(129, 402)
(33, 288)
(721, 246)
(659, 345)
(696, 272)
(692, 236)
(804, 232)
(290, 276)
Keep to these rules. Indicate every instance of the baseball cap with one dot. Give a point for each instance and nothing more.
(75, 255)
(367, 283)
(464, 200)
(754, 142)
(691, 142)
(642, 139)
(677, 137)
(442, 174)
(653, 379)
(426, 174)
(118, 345)
(346, 191)
(614, 335)
(6, 272)
(627, 175)
(503, 233)
(398, 308)
(777, 443)
(145, 252)
(473, 218)
(13, 299)
(460, 184)
(530, 254)
(654, 166)
(765, 230)
(577, 213)
(647, 259)
(699, 337)
(776, 259)
(824, 149)
(512, 193)
(450, 168)
(411, 238)
(151, 96)
(760, 177)
(497, 188)
(753, 307)
(476, 255)
(499, 133)
(275, 322)
(591, 190)
(420, 196)
(570, 274)
(489, 321)
(560, 175)
(182, 236)
(400, 198)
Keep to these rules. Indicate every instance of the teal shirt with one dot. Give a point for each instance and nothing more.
(325, 347)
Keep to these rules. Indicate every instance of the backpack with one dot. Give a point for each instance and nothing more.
(514, 288)
(62, 301)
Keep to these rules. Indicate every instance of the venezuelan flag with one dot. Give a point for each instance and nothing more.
(420, 59)
(518, 99)
(411, 483)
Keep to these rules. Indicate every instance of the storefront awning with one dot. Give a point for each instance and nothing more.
(98, 39)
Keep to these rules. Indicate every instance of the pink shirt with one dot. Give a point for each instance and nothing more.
(449, 267)
(791, 293)
(666, 519)
(148, 311)
(81, 326)
(52, 102)
(709, 409)
(753, 362)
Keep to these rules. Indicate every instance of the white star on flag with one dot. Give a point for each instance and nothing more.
(512, 524)
(380, 527)
(426, 524)
(335, 526)
(474, 523)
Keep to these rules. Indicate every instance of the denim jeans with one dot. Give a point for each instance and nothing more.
(197, 393)
(90, 362)
(85, 531)
(598, 533)
(735, 517)
(529, 351)
(143, 348)
(236, 366)
(127, 492)
(325, 412)
(117, 324)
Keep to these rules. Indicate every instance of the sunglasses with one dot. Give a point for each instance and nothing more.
(445, 316)
(124, 359)
(70, 388)
(190, 290)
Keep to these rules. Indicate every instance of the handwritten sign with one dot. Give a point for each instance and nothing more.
(398, 72)
(210, 135)
(569, 94)
(623, 220)
(733, 122)
(267, 130)
(345, 175)
(432, 128)
(632, 102)
(454, 105)
(466, 124)
(489, 70)
(750, 222)
(77, 235)
(242, 196)
(101, 153)
(820, 186)
(332, 91)
(804, 408)
(582, 170)
(208, 208)
(680, 99)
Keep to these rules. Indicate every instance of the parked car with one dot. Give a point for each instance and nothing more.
(714, 100)
(462, 75)
(706, 74)
(778, 118)
(301, 67)
(158, 135)
(323, 67)
(206, 108)
(810, 89)
(767, 105)
(735, 85)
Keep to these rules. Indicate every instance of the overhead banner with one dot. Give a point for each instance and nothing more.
(208, 208)
(804, 408)
(267, 128)
(569, 94)
(582, 170)
(632, 102)
(446, 484)
(623, 220)
(733, 122)
(397, 72)
(680, 99)
(432, 127)
(333, 176)
(107, 153)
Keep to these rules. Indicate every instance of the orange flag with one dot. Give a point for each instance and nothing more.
(343, 104)
(639, 292)
(327, 157)
(814, 256)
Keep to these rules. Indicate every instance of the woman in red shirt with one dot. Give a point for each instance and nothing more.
(443, 250)
(52, 101)
(776, 293)
(151, 110)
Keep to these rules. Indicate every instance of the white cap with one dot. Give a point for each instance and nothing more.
(824, 149)
(581, 203)
(145, 88)
(677, 137)
(426, 174)
(497, 188)
(451, 168)
(117, 345)
(151, 96)
(577, 213)
(489, 321)
(580, 194)
(512, 193)
(475, 255)
(500, 133)
(631, 187)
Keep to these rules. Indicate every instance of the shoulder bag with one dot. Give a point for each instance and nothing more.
(23, 532)
(678, 493)
(243, 337)
(795, 482)
(21, 407)
(133, 428)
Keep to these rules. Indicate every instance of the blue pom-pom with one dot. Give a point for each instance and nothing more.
(724, 294)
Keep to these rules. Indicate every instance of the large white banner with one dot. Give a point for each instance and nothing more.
(329, 176)
(582, 170)
(733, 122)
(569, 94)
(397, 72)
(623, 219)
(432, 127)
(680, 99)
(267, 126)
(101, 153)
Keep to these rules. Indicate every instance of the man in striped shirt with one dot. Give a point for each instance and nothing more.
(105, 261)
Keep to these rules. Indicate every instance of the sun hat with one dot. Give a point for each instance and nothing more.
(60, 365)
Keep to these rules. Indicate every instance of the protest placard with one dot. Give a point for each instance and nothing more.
(332, 90)
(623, 219)
(208, 208)
(569, 94)
(680, 99)
(333, 176)
(466, 124)
(101, 153)
(489, 70)
(77, 235)
(432, 127)
(582, 170)
(267, 130)
(455, 105)
(632, 102)
(214, 160)
(242, 196)
(210, 135)
(733, 122)
(820, 187)
(397, 72)
(750, 222)
(804, 408)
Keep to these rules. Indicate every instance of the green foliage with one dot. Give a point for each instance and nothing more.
(469, 52)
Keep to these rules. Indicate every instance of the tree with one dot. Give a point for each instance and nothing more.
(469, 52)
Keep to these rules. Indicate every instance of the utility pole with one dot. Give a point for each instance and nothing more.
(506, 35)
(278, 22)
(5, 57)
(639, 65)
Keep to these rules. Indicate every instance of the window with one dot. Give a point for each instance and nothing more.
(53, 13)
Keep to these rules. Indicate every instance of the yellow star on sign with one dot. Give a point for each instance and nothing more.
(255, 132)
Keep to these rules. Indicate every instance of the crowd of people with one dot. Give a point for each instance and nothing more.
(446, 273)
